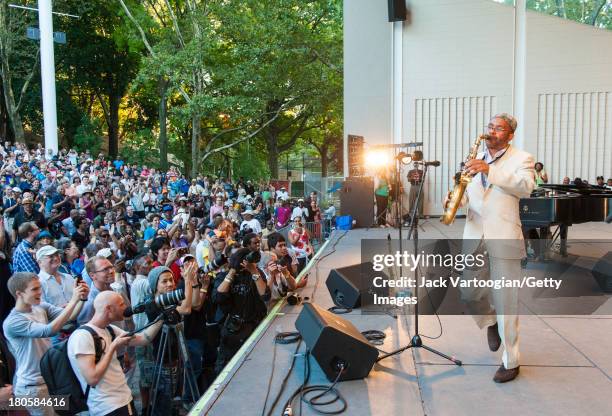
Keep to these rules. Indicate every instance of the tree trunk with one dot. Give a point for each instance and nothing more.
(597, 12)
(195, 139)
(561, 9)
(271, 145)
(9, 101)
(163, 116)
(324, 164)
(113, 125)
(4, 117)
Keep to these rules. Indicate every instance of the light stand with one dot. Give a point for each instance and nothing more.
(416, 341)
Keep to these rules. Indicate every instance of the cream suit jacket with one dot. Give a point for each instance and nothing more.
(493, 213)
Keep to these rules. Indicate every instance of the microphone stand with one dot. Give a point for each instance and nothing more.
(416, 341)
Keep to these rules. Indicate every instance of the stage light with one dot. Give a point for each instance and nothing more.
(377, 158)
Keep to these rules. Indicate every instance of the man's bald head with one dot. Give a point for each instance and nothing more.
(106, 298)
(109, 306)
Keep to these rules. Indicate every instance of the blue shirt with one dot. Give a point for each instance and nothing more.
(28, 336)
(88, 307)
(149, 233)
(23, 261)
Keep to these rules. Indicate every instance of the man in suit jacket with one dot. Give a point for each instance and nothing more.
(502, 174)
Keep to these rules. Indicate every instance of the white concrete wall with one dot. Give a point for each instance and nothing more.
(457, 73)
(569, 97)
(458, 66)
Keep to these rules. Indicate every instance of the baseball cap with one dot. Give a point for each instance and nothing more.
(44, 234)
(46, 251)
(105, 252)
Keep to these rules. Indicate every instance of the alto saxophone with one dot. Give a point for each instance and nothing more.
(454, 200)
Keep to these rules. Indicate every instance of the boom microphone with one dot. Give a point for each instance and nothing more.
(434, 163)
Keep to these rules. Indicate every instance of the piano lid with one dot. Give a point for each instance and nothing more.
(588, 190)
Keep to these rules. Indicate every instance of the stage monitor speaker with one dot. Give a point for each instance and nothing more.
(603, 272)
(397, 10)
(357, 200)
(334, 341)
(351, 286)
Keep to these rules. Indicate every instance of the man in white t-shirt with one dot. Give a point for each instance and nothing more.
(299, 211)
(111, 392)
(250, 222)
(282, 194)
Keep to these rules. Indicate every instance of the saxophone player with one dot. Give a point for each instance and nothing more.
(501, 175)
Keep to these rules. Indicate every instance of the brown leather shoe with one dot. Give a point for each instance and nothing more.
(502, 375)
(493, 337)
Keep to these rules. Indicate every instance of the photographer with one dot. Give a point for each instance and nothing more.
(161, 281)
(195, 330)
(279, 279)
(110, 393)
(241, 296)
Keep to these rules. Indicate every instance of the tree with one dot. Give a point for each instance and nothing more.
(18, 64)
(194, 61)
(327, 140)
(285, 55)
(99, 60)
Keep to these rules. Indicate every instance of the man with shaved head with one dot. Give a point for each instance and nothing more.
(111, 394)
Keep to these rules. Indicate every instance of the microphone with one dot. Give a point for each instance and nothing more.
(433, 163)
(407, 157)
(129, 311)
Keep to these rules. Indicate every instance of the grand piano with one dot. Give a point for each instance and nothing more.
(564, 205)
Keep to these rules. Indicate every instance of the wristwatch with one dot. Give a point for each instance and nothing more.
(196, 286)
(255, 277)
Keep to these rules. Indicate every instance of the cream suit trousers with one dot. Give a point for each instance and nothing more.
(489, 305)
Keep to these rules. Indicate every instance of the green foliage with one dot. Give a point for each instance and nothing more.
(249, 162)
(140, 148)
(88, 136)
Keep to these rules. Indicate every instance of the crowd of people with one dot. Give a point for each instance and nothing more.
(98, 255)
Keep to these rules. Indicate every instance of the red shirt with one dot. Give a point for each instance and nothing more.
(176, 271)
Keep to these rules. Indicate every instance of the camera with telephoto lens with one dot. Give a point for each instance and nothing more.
(253, 257)
(215, 264)
(157, 304)
(170, 299)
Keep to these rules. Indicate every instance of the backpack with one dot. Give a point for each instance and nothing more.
(60, 377)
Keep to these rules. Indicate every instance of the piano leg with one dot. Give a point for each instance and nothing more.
(563, 239)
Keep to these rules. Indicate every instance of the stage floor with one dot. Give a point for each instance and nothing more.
(565, 360)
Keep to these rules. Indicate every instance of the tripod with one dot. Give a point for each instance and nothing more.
(416, 341)
(183, 358)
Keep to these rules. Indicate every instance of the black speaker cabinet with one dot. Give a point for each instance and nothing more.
(357, 200)
(397, 10)
(603, 272)
(334, 341)
(350, 287)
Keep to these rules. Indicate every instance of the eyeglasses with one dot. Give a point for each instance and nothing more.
(105, 270)
(498, 129)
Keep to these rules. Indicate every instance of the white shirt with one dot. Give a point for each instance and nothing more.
(139, 290)
(282, 195)
(299, 212)
(253, 224)
(58, 294)
(112, 392)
